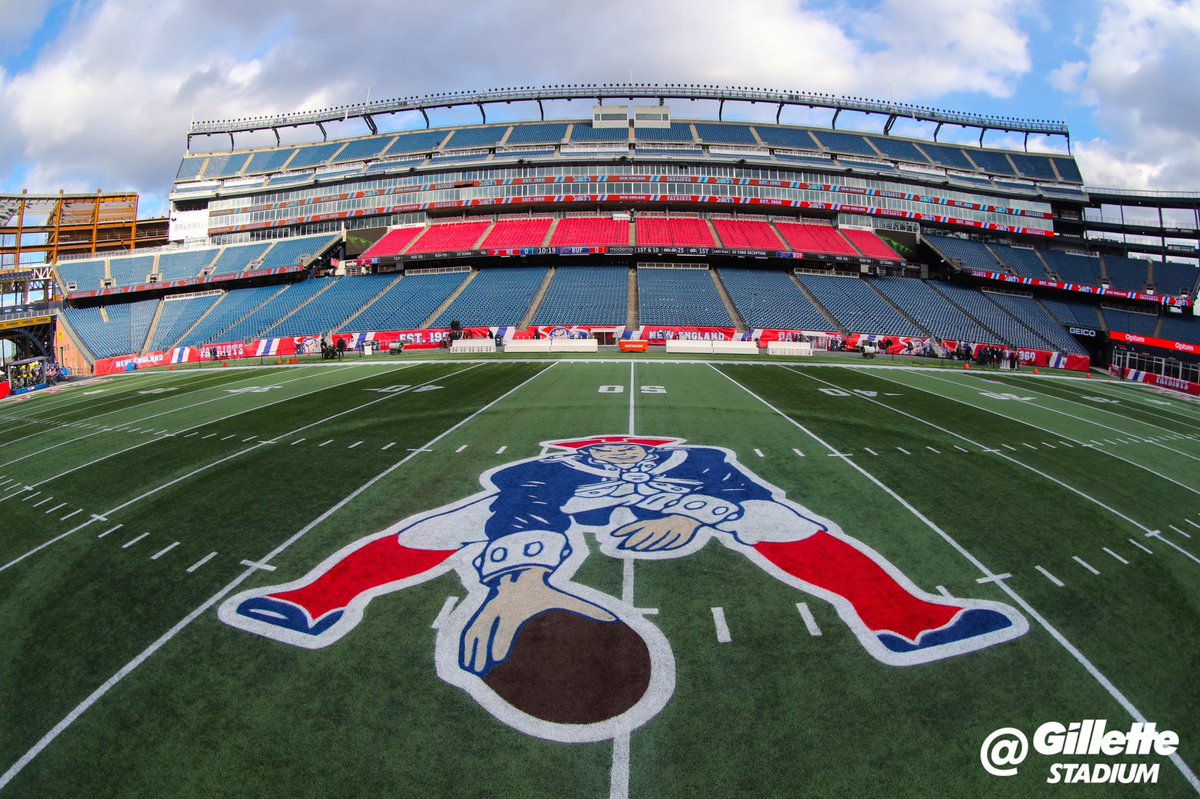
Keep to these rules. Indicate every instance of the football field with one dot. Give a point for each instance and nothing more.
(136, 511)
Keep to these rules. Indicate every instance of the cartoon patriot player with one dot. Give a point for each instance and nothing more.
(566, 662)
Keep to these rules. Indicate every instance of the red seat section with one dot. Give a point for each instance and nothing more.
(590, 231)
(449, 237)
(660, 231)
(820, 239)
(513, 233)
(393, 242)
(870, 245)
(738, 234)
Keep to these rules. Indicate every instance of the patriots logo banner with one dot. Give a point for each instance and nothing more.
(560, 660)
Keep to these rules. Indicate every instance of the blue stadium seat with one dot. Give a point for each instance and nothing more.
(235, 257)
(1023, 261)
(973, 254)
(1140, 324)
(497, 296)
(286, 252)
(471, 138)
(86, 275)
(724, 133)
(1175, 278)
(943, 155)
(232, 307)
(269, 161)
(333, 307)
(991, 162)
(408, 304)
(1074, 313)
(845, 143)
(185, 264)
(1073, 268)
(361, 149)
(1126, 274)
(770, 298)
(586, 295)
(1011, 330)
(790, 138)
(123, 333)
(680, 132)
(130, 271)
(317, 155)
(1185, 328)
(1031, 312)
(584, 132)
(225, 166)
(177, 316)
(680, 297)
(898, 149)
(1034, 167)
(856, 306)
(267, 315)
(549, 133)
(416, 142)
(930, 310)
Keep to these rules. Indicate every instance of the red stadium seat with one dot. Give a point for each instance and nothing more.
(590, 231)
(870, 245)
(449, 237)
(516, 233)
(739, 234)
(820, 239)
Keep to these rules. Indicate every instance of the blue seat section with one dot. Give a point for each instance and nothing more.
(818, 163)
(973, 254)
(416, 142)
(123, 333)
(438, 158)
(1068, 169)
(856, 306)
(393, 166)
(1127, 274)
(586, 133)
(313, 156)
(176, 317)
(717, 133)
(185, 264)
(586, 295)
(680, 132)
(290, 180)
(679, 152)
(469, 138)
(1073, 268)
(130, 271)
(930, 309)
(1034, 167)
(285, 252)
(497, 296)
(1180, 328)
(993, 317)
(1140, 324)
(235, 257)
(269, 161)
(853, 143)
(900, 150)
(538, 153)
(86, 275)
(1023, 261)
(767, 298)
(270, 312)
(189, 167)
(991, 162)
(1074, 313)
(963, 180)
(550, 133)
(943, 155)
(1030, 311)
(232, 307)
(408, 304)
(680, 297)
(335, 305)
(224, 166)
(787, 137)
(1175, 278)
(360, 149)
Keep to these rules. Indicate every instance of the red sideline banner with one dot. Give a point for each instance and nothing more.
(5, 389)
(1162, 381)
(1159, 343)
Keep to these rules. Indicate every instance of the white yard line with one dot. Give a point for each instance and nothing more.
(166, 637)
(1002, 585)
(1085, 564)
(1118, 558)
(206, 559)
(133, 541)
(1183, 533)
(163, 551)
(1141, 546)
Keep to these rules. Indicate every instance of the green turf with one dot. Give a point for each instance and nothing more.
(893, 456)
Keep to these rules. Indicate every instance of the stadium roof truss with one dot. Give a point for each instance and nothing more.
(367, 111)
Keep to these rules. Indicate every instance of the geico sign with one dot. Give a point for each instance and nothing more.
(1082, 331)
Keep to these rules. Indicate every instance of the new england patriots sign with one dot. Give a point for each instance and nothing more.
(562, 661)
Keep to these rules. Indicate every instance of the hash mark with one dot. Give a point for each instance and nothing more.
(902, 449)
(330, 441)
(1084, 564)
(941, 589)
(110, 530)
(355, 444)
(1145, 549)
(1050, 577)
(501, 450)
(460, 449)
(164, 551)
(133, 541)
(758, 452)
(72, 513)
(1115, 555)
(201, 562)
(809, 621)
(44, 501)
(934, 451)
(723, 636)
(297, 441)
(390, 445)
(1181, 532)
(56, 507)
(798, 452)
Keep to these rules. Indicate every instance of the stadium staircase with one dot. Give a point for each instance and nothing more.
(1049, 271)
(285, 317)
(527, 319)
(479, 241)
(713, 230)
(632, 232)
(833, 322)
(199, 321)
(368, 304)
(550, 232)
(449, 300)
(150, 330)
(739, 323)
(632, 322)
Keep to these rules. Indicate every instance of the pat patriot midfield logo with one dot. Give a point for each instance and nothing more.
(560, 660)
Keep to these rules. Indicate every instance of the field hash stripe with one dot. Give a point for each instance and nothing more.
(1050, 576)
(723, 636)
(809, 621)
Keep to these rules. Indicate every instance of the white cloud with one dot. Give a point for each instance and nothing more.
(22, 18)
(102, 107)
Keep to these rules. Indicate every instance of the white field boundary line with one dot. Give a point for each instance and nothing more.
(1003, 585)
(166, 637)
(1057, 434)
(206, 467)
(1000, 454)
(140, 419)
(69, 397)
(1093, 422)
(618, 778)
(59, 425)
(1187, 412)
(202, 425)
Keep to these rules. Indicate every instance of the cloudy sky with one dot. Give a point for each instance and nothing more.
(99, 93)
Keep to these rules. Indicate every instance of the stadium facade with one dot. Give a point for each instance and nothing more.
(634, 223)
